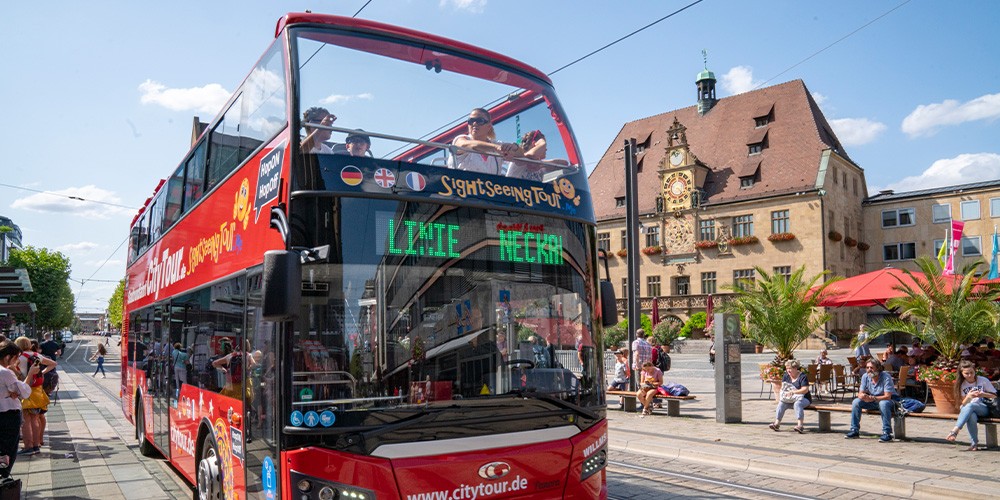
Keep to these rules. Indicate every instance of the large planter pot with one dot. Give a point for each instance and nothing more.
(757, 348)
(944, 396)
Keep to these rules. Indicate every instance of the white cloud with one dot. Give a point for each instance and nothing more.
(928, 118)
(341, 99)
(207, 99)
(856, 131)
(819, 98)
(59, 202)
(83, 246)
(962, 169)
(739, 80)
(472, 6)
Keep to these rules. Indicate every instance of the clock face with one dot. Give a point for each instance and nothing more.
(677, 187)
(676, 158)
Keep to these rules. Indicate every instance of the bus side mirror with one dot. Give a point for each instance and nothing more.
(609, 306)
(282, 285)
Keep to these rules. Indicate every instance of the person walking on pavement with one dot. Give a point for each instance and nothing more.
(875, 393)
(798, 390)
(12, 390)
(99, 356)
(642, 353)
(862, 348)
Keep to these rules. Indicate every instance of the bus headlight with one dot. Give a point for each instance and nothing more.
(311, 488)
(594, 464)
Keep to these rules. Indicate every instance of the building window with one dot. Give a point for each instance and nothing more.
(972, 246)
(620, 202)
(833, 173)
(706, 230)
(898, 217)
(994, 207)
(761, 121)
(653, 286)
(785, 271)
(652, 235)
(604, 241)
(742, 226)
(756, 148)
(843, 177)
(899, 251)
(970, 210)
(940, 213)
(708, 283)
(855, 186)
(624, 240)
(625, 288)
(779, 222)
(743, 278)
(937, 247)
(682, 285)
(746, 182)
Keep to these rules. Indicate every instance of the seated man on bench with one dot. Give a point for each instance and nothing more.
(875, 393)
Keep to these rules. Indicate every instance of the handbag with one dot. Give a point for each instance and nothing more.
(787, 394)
(10, 489)
(992, 406)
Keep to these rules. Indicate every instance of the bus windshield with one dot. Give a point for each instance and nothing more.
(412, 101)
(419, 305)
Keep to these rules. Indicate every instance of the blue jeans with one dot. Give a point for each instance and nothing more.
(800, 409)
(970, 414)
(885, 407)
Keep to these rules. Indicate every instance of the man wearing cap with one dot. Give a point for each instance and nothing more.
(356, 145)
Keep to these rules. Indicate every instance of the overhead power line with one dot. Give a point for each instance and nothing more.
(362, 8)
(71, 197)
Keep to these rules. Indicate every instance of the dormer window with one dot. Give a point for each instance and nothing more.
(763, 115)
(757, 142)
(620, 202)
(757, 148)
(762, 121)
(746, 182)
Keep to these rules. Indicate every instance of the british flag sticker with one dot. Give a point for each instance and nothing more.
(415, 181)
(385, 178)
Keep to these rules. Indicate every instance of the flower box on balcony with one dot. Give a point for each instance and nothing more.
(850, 241)
(653, 250)
(623, 253)
(781, 237)
(863, 246)
(744, 240)
(835, 236)
(706, 244)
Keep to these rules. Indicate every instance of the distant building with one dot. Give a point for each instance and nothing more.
(755, 179)
(91, 322)
(9, 239)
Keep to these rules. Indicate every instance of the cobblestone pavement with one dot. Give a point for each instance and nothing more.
(923, 466)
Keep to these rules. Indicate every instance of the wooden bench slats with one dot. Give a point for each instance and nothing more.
(899, 421)
(673, 402)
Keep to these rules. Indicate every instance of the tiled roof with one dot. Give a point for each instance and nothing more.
(889, 195)
(796, 138)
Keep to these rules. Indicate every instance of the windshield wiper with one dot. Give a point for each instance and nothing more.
(541, 396)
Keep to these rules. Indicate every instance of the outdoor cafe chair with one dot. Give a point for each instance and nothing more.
(841, 383)
(825, 379)
(812, 372)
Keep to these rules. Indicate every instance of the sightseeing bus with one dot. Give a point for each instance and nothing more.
(304, 319)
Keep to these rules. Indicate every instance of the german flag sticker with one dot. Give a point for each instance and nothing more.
(351, 175)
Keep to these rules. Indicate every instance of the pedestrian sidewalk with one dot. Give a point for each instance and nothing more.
(924, 467)
(90, 451)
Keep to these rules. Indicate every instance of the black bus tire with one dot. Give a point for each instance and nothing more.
(209, 474)
(145, 447)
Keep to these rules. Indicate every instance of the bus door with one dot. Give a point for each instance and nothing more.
(260, 400)
(158, 364)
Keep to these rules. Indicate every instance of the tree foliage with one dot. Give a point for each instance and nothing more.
(49, 274)
(665, 332)
(615, 335)
(115, 306)
(779, 312)
(695, 322)
(943, 311)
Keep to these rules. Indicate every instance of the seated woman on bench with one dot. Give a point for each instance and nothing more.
(652, 379)
(971, 389)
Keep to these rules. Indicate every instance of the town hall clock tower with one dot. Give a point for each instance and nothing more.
(682, 178)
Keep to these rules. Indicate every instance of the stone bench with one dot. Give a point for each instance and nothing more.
(673, 402)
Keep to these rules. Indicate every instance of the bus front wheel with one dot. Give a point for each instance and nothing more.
(209, 478)
(145, 447)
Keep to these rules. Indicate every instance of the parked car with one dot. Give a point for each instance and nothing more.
(67, 337)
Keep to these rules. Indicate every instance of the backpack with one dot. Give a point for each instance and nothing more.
(663, 362)
(910, 405)
(50, 381)
(676, 389)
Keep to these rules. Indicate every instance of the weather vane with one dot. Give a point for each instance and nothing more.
(704, 56)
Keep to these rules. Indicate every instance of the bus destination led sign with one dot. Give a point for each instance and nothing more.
(519, 243)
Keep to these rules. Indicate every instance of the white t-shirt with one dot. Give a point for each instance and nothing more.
(321, 148)
(983, 384)
(474, 162)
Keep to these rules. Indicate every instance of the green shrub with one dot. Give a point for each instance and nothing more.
(666, 332)
(615, 335)
(695, 322)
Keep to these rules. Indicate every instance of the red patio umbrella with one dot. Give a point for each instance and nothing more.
(874, 288)
(709, 306)
(655, 314)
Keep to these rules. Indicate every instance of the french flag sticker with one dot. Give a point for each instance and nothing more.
(415, 181)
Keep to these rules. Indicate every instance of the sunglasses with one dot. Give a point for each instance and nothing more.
(477, 121)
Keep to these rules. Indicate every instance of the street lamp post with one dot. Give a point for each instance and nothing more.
(632, 242)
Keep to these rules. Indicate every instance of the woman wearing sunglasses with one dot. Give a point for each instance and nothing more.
(486, 154)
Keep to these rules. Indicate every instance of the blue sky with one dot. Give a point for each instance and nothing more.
(101, 95)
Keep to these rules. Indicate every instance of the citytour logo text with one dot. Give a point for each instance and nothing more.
(164, 270)
(474, 492)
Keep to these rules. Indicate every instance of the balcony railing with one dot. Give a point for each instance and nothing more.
(677, 303)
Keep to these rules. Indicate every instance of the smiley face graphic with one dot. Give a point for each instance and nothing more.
(567, 190)
(241, 208)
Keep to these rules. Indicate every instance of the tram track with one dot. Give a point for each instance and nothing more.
(656, 475)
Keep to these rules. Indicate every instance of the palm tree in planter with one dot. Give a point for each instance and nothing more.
(779, 312)
(945, 312)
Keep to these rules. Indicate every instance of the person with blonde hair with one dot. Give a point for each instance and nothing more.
(794, 394)
(37, 402)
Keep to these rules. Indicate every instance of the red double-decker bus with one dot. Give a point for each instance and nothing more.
(310, 318)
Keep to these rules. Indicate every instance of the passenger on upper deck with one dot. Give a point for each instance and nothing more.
(534, 146)
(481, 138)
(355, 145)
(316, 137)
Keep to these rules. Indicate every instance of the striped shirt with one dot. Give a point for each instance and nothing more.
(643, 352)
